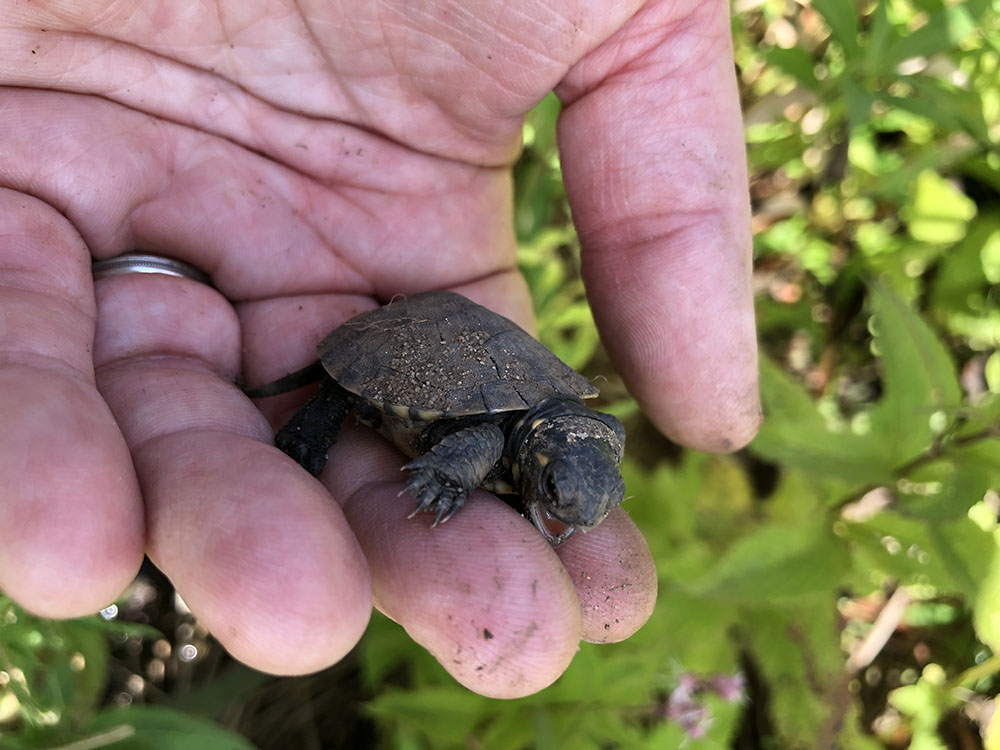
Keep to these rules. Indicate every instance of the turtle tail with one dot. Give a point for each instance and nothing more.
(312, 373)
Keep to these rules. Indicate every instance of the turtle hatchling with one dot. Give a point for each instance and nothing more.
(474, 400)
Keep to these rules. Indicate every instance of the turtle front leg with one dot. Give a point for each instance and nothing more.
(442, 478)
(308, 435)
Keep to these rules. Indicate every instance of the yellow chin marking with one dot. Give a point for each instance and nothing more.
(501, 487)
(541, 458)
(402, 412)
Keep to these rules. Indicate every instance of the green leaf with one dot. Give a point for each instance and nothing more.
(443, 714)
(960, 106)
(951, 108)
(795, 434)
(948, 555)
(962, 273)
(778, 562)
(84, 687)
(948, 487)
(797, 63)
(986, 614)
(230, 686)
(568, 329)
(991, 737)
(922, 392)
(842, 18)
(938, 212)
(925, 703)
(699, 633)
(155, 728)
(879, 35)
(990, 257)
(859, 105)
(959, 550)
(943, 31)
(801, 663)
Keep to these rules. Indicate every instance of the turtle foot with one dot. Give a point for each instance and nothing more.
(308, 436)
(433, 492)
(306, 453)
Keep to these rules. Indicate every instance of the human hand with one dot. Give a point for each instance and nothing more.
(315, 159)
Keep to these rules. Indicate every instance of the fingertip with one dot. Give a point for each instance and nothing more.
(504, 630)
(257, 548)
(483, 593)
(615, 578)
(685, 344)
(716, 423)
(746, 418)
(71, 526)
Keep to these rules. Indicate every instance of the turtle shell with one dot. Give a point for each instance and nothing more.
(443, 355)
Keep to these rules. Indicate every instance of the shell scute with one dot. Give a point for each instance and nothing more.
(438, 352)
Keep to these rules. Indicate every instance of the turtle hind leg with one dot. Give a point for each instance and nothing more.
(308, 435)
(442, 478)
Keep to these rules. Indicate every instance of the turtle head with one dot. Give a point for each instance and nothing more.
(569, 473)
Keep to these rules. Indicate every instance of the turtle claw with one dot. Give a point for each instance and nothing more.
(425, 499)
(443, 477)
(446, 511)
(433, 491)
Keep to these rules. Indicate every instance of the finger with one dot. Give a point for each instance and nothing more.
(483, 593)
(71, 526)
(256, 547)
(615, 578)
(655, 171)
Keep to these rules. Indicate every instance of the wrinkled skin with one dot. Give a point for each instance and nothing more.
(315, 159)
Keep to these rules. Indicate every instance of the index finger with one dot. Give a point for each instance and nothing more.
(654, 164)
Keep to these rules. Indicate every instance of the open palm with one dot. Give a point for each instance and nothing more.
(316, 159)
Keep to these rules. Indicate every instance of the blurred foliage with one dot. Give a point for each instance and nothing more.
(837, 584)
(53, 682)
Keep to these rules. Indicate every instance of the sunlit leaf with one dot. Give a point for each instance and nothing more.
(991, 738)
(938, 211)
(962, 272)
(986, 615)
(942, 32)
(947, 100)
(924, 704)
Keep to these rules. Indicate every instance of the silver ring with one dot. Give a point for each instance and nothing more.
(145, 263)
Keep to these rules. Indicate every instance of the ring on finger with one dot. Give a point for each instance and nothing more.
(147, 263)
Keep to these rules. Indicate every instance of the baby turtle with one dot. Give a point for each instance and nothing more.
(474, 400)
